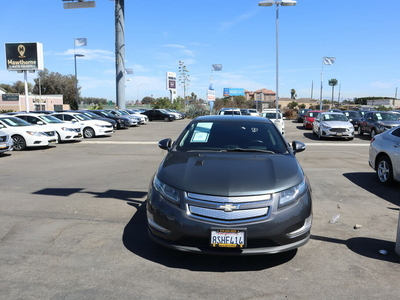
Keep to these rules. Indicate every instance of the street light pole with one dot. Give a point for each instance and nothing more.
(277, 3)
(76, 80)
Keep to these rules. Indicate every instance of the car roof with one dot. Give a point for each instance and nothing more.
(230, 118)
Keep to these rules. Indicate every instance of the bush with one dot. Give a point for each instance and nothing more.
(290, 114)
(196, 111)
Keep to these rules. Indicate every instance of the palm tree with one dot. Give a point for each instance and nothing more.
(333, 82)
(293, 94)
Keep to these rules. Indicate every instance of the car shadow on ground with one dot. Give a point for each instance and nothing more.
(368, 247)
(369, 182)
(135, 238)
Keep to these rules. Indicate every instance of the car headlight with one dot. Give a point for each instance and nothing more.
(324, 125)
(166, 191)
(67, 129)
(289, 196)
(35, 133)
(102, 126)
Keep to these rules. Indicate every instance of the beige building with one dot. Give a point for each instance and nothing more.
(267, 99)
(18, 102)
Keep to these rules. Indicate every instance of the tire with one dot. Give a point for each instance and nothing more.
(58, 138)
(373, 133)
(360, 132)
(166, 119)
(19, 143)
(88, 132)
(384, 170)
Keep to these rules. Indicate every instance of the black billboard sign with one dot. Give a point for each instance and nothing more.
(24, 56)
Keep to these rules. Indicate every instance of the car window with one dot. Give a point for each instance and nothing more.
(313, 114)
(220, 135)
(396, 132)
(50, 119)
(335, 117)
(386, 117)
(351, 114)
(271, 115)
(14, 122)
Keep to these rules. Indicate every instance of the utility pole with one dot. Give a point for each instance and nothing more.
(183, 77)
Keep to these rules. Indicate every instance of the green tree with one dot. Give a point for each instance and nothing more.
(17, 87)
(333, 82)
(293, 94)
(148, 100)
(292, 104)
(56, 84)
(301, 106)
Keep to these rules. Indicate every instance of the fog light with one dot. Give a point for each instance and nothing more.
(303, 229)
(152, 223)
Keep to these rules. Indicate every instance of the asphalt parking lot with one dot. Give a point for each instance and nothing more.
(73, 227)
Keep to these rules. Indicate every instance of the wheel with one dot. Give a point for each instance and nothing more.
(373, 133)
(150, 118)
(359, 130)
(384, 170)
(19, 143)
(58, 138)
(166, 119)
(88, 132)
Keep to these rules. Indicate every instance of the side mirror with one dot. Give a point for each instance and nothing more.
(1, 126)
(298, 146)
(165, 144)
(40, 123)
(74, 120)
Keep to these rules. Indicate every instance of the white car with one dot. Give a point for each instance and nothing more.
(271, 114)
(333, 125)
(65, 132)
(89, 127)
(230, 111)
(6, 142)
(26, 135)
(384, 156)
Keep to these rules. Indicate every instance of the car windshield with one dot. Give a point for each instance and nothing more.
(352, 114)
(313, 114)
(106, 114)
(231, 136)
(386, 117)
(14, 122)
(91, 115)
(271, 115)
(82, 117)
(334, 117)
(50, 119)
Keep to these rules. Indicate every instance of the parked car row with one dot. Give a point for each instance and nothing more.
(19, 130)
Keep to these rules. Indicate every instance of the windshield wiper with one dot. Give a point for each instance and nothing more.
(249, 150)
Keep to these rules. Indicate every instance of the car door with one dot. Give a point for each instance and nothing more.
(368, 122)
(396, 151)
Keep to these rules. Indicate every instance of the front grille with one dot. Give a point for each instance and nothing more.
(228, 209)
(338, 130)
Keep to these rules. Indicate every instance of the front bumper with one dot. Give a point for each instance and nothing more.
(280, 230)
(337, 133)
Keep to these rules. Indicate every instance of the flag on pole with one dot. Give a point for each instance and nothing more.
(329, 60)
(217, 67)
(80, 42)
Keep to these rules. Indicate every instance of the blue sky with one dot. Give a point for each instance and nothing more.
(239, 34)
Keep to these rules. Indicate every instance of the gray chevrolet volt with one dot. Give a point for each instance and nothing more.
(230, 185)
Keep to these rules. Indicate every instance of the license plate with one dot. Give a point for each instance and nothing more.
(52, 141)
(228, 238)
(339, 134)
(3, 146)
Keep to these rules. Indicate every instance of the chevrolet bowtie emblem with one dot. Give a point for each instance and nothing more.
(227, 207)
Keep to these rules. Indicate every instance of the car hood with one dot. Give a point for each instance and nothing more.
(230, 174)
(337, 124)
(389, 123)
